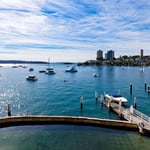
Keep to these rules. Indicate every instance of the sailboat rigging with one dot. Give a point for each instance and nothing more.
(49, 70)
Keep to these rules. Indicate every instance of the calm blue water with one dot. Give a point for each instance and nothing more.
(50, 95)
(63, 137)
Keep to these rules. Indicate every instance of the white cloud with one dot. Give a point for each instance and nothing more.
(81, 27)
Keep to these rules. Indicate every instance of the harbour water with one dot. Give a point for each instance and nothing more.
(62, 137)
(60, 94)
(50, 95)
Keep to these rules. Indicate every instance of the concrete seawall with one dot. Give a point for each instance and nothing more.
(73, 120)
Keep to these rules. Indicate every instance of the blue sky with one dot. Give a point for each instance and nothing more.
(73, 30)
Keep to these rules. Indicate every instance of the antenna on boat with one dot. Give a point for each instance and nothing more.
(48, 61)
(119, 92)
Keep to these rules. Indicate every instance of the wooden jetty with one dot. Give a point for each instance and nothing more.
(131, 115)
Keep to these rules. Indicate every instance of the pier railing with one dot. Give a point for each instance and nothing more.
(142, 116)
(130, 114)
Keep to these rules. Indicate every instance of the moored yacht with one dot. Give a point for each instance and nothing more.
(115, 98)
(73, 69)
(95, 75)
(31, 69)
(42, 71)
(14, 66)
(31, 78)
(50, 71)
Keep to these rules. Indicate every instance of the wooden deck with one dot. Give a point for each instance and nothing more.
(131, 115)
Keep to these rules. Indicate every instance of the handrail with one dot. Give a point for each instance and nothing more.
(141, 115)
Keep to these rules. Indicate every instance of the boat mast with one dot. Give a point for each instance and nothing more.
(48, 62)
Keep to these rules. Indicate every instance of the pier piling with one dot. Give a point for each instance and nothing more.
(145, 86)
(109, 105)
(9, 110)
(134, 102)
(96, 96)
(120, 104)
(148, 89)
(81, 103)
(131, 88)
(119, 92)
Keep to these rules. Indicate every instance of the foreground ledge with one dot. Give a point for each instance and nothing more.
(38, 120)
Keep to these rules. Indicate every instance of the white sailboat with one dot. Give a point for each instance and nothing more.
(49, 70)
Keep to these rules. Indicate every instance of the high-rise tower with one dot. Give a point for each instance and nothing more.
(110, 55)
(141, 53)
(99, 55)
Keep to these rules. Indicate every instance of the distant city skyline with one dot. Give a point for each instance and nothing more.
(71, 30)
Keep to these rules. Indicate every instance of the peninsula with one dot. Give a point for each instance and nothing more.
(121, 61)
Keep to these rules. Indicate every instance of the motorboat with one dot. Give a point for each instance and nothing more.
(14, 66)
(50, 72)
(31, 69)
(73, 69)
(42, 71)
(24, 66)
(95, 75)
(31, 78)
(49, 69)
(115, 98)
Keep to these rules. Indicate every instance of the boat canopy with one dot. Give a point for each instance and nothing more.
(115, 95)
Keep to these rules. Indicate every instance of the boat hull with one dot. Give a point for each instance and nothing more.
(73, 69)
(117, 98)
